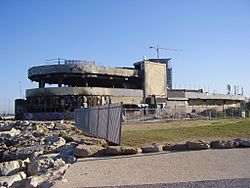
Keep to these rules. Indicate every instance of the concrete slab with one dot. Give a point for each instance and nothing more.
(158, 168)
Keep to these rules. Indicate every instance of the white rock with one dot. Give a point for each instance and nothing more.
(50, 125)
(223, 144)
(10, 167)
(122, 150)
(25, 123)
(24, 163)
(9, 180)
(32, 182)
(12, 132)
(44, 163)
(71, 159)
(152, 148)
(58, 163)
(243, 142)
(88, 150)
(40, 165)
(7, 126)
(59, 171)
(42, 180)
(40, 128)
(55, 141)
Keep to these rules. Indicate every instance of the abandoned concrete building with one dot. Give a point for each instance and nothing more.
(71, 84)
(198, 101)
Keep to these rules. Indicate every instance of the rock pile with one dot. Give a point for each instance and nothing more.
(36, 153)
(202, 145)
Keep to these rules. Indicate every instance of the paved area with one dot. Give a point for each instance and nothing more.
(227, 183)
(160, 169)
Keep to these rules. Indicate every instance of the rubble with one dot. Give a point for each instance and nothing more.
(40, 165)
(167, 147)
(223, 144)
(152, 148)
(243, 142)
(88, 151)
(122, 150)
(36, 153)
(7, 181)
(197, 145)
(179, 147)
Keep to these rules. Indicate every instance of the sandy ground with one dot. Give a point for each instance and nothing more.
(158, 168)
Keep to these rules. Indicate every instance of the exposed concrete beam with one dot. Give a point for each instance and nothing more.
(83, 91)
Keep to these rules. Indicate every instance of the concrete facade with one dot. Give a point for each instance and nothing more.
(84, 84)
(88, 91)
(155, 79)
(195, 100)
(81, 68)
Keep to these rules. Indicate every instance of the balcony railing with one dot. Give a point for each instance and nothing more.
(60, 61)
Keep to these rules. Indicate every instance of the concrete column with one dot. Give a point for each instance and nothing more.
(41, 84)
(60, 83)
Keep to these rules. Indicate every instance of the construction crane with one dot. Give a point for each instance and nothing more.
(159, 48)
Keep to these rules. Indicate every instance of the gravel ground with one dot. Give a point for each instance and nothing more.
(160, 169)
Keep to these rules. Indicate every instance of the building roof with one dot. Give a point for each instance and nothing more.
(81, 68)
(188, 94)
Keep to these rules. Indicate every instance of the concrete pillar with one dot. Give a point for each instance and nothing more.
(41, 84)
(60, 83)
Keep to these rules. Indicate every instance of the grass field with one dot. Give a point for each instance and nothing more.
(173, 132)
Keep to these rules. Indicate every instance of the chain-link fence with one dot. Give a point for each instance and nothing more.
(180, 113)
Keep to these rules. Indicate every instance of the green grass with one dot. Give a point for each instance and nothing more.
(221, 129)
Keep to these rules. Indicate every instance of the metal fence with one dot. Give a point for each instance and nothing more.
(180, 113)
(102, 121)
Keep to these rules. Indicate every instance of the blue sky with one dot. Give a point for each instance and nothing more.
(214, 36)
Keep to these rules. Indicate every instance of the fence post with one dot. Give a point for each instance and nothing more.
(98, 119)
(120, 132)
(172, 114)
(107, 133)
(89, 109)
